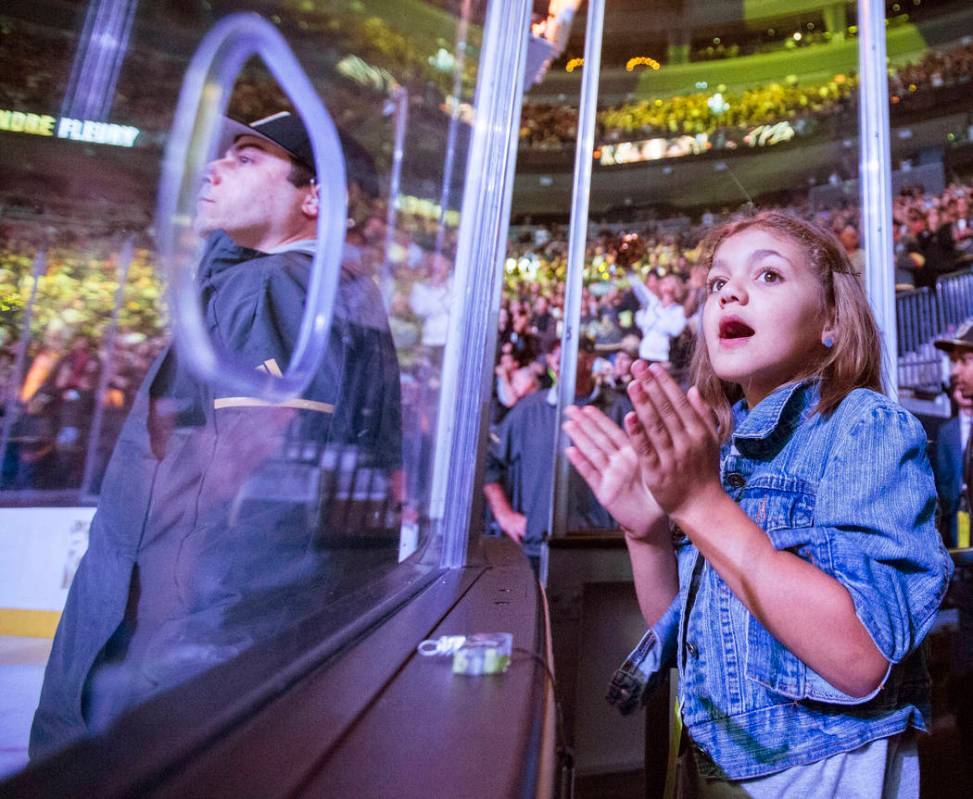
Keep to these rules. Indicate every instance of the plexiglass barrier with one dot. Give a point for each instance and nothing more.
(261, 470)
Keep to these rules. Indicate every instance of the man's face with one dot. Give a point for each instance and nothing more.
(438, 267)
(623, 364)
(554, 361)
(246, 193)
(849, 238)
(965, 404)
(962, 371)
(584, 382)
(523, 382)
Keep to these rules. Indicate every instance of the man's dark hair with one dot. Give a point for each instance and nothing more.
(301, 174)
(358, 163)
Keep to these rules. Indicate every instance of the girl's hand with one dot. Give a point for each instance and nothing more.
(674, 436)
(603, 456)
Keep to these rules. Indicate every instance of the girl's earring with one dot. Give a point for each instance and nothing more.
(828, 342)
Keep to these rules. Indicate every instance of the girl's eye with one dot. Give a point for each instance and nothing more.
(714, 284)
(769, 276)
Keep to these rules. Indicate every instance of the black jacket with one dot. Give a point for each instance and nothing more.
(217, 512)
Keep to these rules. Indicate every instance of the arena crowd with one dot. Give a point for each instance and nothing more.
(642, 295)
(807, 105)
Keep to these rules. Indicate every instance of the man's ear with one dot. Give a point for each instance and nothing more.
(311, 202)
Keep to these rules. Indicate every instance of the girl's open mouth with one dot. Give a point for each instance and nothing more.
(732, 327)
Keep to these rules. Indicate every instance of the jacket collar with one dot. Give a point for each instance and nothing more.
(222, 253)
(306, 246)
(776, 416)
(589, 399)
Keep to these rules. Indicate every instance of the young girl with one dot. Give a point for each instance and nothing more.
(783, 545)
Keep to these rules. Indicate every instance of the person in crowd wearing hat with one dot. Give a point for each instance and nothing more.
(952, 453)
(953, 465)
(213, 529)
(948, 442)
(518, 483)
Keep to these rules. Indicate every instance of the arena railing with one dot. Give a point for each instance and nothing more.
(923, 315)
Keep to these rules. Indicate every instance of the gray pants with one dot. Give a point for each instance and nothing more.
(887, 768)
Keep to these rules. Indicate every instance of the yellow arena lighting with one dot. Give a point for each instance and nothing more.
(642, 61)
(573, 64)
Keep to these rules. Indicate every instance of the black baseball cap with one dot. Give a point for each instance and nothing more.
(283, 129)
(963, 340)
(287, 131)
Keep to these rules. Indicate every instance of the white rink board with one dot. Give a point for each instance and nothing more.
(39, 553)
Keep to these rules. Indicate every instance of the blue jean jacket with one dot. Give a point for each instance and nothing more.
(851, 492)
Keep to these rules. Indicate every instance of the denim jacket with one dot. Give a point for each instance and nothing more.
(851, 492)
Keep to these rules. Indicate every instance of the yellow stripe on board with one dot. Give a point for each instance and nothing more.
(28, 623)
(254, 402)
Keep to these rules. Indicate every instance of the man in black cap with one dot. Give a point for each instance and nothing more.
(960, 350)
(262, 191)
(216, 527)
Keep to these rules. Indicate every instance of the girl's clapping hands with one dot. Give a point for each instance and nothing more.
(675, 439)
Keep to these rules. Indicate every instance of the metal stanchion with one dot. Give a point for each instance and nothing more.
(578, 239)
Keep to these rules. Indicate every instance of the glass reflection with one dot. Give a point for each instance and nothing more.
(221, 519)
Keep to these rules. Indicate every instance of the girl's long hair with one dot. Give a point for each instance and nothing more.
(855, 359)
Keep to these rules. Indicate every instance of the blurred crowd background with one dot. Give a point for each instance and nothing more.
(77, 292)
(643, 283)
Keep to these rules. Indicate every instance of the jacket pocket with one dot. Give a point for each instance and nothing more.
(781, 506)
(786, 516)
